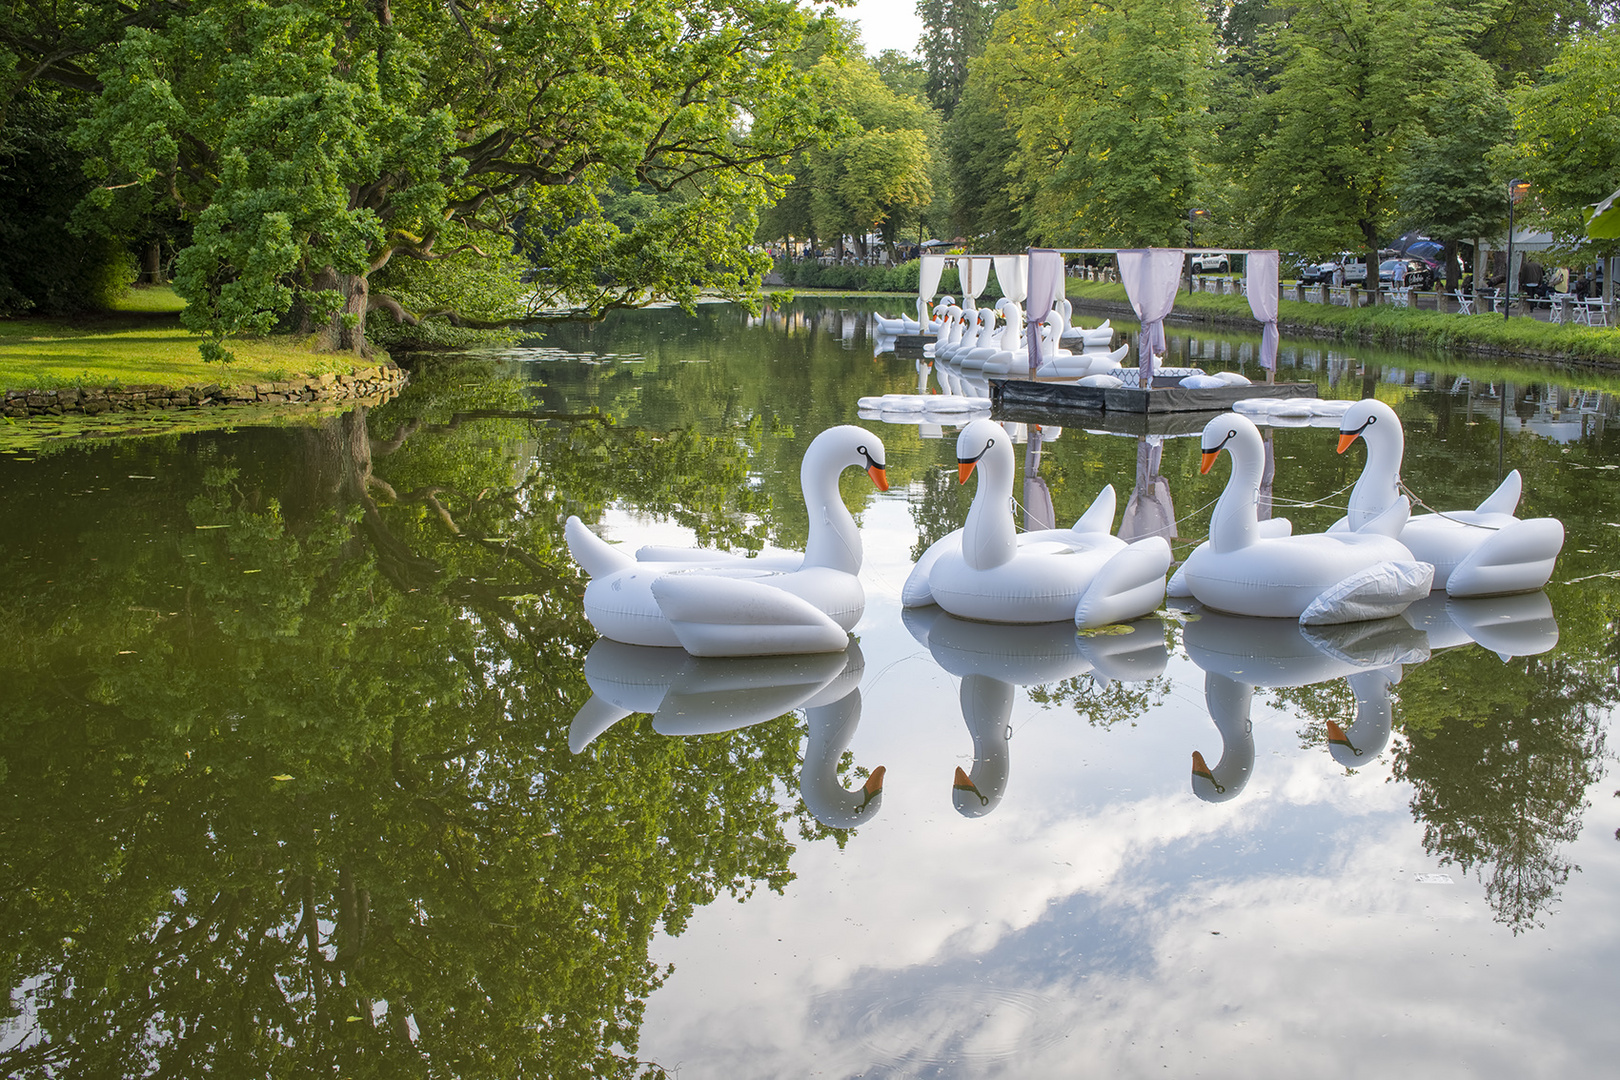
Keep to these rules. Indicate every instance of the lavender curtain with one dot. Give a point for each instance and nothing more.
(1151, 277)
(975, 271)
(1045, 286)
(1262, 274)
(927, 284)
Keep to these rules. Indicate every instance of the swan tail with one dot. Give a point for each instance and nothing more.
(719, 616)
(1100, 517)
(595, 556)
(1276, 528)
(1505, 499)
(1129, 585)
(593, 718)
(1380, 591)
(1516, 559)
(1178, 587)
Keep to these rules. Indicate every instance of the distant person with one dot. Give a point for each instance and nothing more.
(1338, 275)
(1560, 280)
(1398, 276)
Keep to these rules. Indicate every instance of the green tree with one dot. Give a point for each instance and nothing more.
(1351, 94)
(313, 141)
(1109, 106)
(1568, 144)
(954, 32)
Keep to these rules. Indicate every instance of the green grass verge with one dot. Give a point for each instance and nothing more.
(143, 343)
(1401, 328)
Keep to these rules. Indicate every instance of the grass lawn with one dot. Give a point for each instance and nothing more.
(143, 343)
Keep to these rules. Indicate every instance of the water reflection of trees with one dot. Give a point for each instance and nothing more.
(285, 779)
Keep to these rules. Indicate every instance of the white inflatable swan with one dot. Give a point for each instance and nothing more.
(988, 571)
(1481, 552)
(717, 604)
(1247, 567)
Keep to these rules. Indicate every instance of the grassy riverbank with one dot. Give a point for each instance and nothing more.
(143, 344)
(1402, 328)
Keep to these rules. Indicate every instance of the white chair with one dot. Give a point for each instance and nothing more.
(1597, 312)
(1465, 303)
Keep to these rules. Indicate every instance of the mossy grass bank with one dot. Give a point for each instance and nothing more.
(143, 344)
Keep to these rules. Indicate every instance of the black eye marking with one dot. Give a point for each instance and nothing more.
(1371, 420)
(1230, 435)
(988, 443)
(871, 462)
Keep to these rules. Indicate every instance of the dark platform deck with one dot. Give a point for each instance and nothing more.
(1165, 397)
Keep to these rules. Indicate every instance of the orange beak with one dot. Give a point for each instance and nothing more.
(963, 471)
(1345, 439)
(1209, 461)
(874, 782)
(879, 477)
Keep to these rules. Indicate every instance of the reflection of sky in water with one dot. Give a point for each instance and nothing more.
(1102, 920)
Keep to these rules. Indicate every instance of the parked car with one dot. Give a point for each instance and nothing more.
(1419, 275)
(1211, 262)
(1353, 265)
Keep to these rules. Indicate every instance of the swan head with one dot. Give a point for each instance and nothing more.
(980, 438)
(1230, 432)
(839, 448)
(1373, 421)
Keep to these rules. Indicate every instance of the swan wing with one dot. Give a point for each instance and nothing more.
(1276, 528)
(723, 616)
(1505, 499)
(595, 556)
(1391, 521)
(714, 695)
(1129, 585)
(916, 591)
(1517, 558)
(1380, 591)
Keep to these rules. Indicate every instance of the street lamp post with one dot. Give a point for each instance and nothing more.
(1517, 189)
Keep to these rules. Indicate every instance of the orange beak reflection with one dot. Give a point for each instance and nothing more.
(1345, 439)
(1201, 767)
(1209, 460)
(879, 477)
(874, 782)
(964, 470)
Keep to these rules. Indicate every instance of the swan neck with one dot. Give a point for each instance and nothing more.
(1376, 489)
(988, 538)
(835, 542)
(1236, 523)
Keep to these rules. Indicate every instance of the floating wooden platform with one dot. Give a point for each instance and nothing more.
(912, 342)
(1167, 396)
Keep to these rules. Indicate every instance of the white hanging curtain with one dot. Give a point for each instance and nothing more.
(928, 284)
(1151, 277)
(1013, 273)
(1262, 275)
(1045, 286)
(975, 271)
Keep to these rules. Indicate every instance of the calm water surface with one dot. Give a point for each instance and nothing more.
(309, 761)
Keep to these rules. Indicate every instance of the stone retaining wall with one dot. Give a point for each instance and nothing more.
(385, 379)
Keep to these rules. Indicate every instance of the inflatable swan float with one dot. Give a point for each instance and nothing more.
(714, 603)
(988, 571)
(1250, 567)
(1481, 552)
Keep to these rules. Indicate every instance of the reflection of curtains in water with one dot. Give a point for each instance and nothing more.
(1262, 275)
(1149, 511)
(1268, 474)
(1151, 277)
(928, 275)
(975, 273)
(1045, 286)
(1039, 512)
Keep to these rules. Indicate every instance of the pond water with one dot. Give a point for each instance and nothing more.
(310, 762)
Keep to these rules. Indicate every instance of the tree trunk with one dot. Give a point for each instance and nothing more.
(346, 331)
(152, 265)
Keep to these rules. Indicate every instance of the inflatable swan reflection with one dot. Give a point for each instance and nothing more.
(714, 603)
(689, 695)
(1481, 552)
(1250, 567)
(992, 661)
(986, 570)
(1239, 654)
